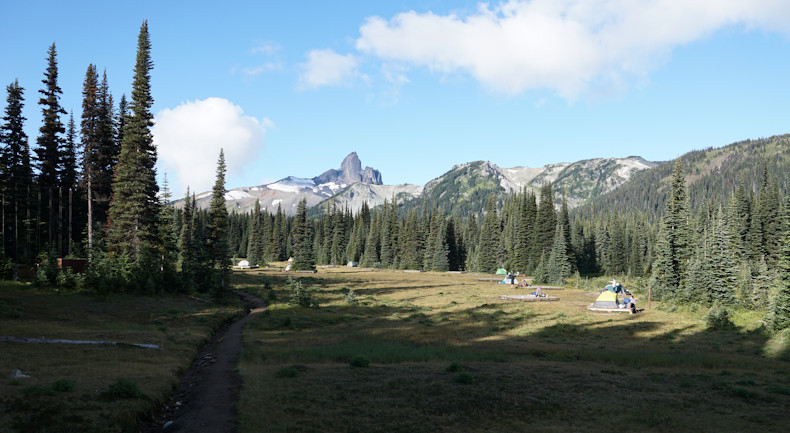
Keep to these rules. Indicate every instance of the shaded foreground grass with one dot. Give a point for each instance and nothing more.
(446, 355)
(95, 388)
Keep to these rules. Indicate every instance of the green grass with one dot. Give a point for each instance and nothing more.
(447, 355)
(95, 388)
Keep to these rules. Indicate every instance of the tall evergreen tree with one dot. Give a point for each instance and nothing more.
(779, 307)
(107, 148)
(217, 239)
(89, 127)
(488, 247)
(545, 222)
(50, 141)
(134, 205)
(17, 175)
(672, 245)
(68, 184)
(301, 233)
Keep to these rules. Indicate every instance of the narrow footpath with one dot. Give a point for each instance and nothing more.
(205, 401)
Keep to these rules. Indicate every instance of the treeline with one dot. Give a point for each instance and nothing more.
(729, 252)
(91, 191)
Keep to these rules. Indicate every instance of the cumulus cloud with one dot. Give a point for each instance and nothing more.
(328, 68)
(563, 45)
(190, 136)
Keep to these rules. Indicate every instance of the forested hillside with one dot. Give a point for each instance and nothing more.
(712, 175)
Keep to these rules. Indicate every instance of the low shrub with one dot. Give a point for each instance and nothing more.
(359, 361)
(454, 367)
(287, 372)
(122, 389)
(63, 385)
(718, 318)
(464, 378)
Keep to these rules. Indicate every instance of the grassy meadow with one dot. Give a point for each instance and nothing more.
(94, 388)
(426, 352)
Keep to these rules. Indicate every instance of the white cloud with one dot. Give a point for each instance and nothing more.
(567, 46)
(259, 69)
(190, 136)
(328, 68)
(267, 48)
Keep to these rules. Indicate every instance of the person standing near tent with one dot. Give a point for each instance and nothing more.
(631, 305)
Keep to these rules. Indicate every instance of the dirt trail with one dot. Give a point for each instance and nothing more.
(205, 401)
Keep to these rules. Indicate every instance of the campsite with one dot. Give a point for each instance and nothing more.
(440, 352)
(386, 350)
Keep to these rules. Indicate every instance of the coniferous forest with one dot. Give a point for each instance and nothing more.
(705, 229)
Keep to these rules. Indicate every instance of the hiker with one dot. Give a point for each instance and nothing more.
(538, 292)
(632, 304)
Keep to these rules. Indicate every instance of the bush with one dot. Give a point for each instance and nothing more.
(718, 318)
(300, 296)
(359, 361)
(7, 268)
(47, 272)
(464, 378)
(63, 385)
(123, 388)
(454, 367)
(351, 297)
(287, 372)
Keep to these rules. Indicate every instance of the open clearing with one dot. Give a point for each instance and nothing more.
(445, 354)
(95, 388)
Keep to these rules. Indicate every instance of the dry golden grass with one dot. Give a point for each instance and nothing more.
(178, 324)
(515, 366)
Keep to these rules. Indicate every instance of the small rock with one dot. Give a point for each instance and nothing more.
(167, 425)
(17, 374)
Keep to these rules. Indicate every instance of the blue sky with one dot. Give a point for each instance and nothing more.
(290, 88)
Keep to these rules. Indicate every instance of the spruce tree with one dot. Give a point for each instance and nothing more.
(134, 206)
(672, 245)
(255, 243)
(48, 153)
(559, 266)
(217, 237)
(302, 236)
(545, 221)
(17, 174)
(488, 247)
(107, 148)
(779, 306)
(89, 130)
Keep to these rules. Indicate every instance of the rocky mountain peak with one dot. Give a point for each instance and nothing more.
(350, 172)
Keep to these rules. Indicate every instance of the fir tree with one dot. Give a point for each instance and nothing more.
(255, 242)
(487, 250)
(89, 128)
(134, 206)
(779, 306)
(672, 245)
(545, 221)
(301, 234)
(17, 174)
(559, 266)
(107, 148)
(217, 239)
(48, 153)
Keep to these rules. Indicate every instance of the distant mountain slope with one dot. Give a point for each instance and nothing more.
(289, 191)
(711, 174)
(466, 187)
(353, 196)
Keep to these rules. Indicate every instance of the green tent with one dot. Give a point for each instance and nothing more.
(501, 271)
(606, 299)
